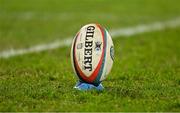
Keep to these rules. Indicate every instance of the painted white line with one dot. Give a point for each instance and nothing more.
(142, 28)
(126, 32)
(37, 48)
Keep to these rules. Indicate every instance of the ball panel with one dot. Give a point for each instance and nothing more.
(82, 74)
(87, 58)
(109, 60)
(101, 71)
(100, 43)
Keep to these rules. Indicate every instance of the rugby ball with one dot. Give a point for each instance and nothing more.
(92, 54)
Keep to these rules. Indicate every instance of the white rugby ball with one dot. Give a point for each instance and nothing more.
(92, 54)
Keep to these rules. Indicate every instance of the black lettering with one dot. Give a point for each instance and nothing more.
(89, 35)
(88, 48)
(90, 28)
(87, 62)
(87, 59)
(88, 51)
(88, 67)
(90, 32)
(88, 44)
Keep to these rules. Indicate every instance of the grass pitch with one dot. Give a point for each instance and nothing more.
(145, 74)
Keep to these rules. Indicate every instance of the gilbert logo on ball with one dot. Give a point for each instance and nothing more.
(92, 54)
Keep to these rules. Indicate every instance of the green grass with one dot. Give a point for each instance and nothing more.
(48, 20)
(146, 70)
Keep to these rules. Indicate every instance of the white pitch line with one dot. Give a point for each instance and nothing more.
(142, 28)
(126, 32)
